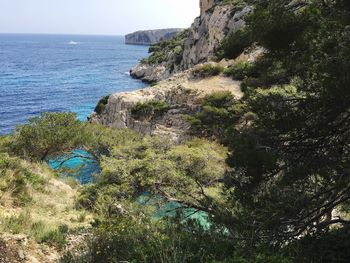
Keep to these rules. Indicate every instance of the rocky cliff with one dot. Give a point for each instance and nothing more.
(173, 65)
(181, 93)
(206, 5)
(148, 37)
(198, 45)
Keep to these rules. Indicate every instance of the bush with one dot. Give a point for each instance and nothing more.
(54, 235)
(169, 241)
(47, 136)
(17, 224)
(218, 111)
(101, 105)
(150, 109)
(234, 44)
(17, 179)
(239, 70)
(167, 49)
(207, 70)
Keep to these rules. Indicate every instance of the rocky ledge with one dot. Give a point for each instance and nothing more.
(182, 93)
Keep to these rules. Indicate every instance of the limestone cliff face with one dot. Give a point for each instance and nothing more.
(148, 37)
(206, 5)
(181, 92)
(200, 43)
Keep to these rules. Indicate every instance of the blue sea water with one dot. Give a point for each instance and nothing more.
(58, 73)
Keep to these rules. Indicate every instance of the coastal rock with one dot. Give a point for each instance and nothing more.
(199, 44)
(149, 74)
(147, 37)
(181, 92)
(205, 5)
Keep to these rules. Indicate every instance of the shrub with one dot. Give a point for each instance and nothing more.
(50, 234)
(218, 112)
(101, 105)
(234, 44)
(207, 70)
(167, 49)
(17, 224)
(17, 179)
(47, 136)
(238, 71)
(150, 109)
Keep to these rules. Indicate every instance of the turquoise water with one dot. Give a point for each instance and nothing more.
(57, 73)
(82, 168)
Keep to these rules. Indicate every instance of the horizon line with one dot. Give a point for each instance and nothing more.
(63, 34)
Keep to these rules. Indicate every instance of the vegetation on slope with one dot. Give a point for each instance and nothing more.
(36, 203)
(165, 49)
(150, 109)
(278, 192)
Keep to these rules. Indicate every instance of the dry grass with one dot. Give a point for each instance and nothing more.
(48, 213)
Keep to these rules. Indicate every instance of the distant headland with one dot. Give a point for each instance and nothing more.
(148, 37)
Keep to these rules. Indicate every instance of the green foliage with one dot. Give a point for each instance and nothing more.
(170, 240)
(332, 247)
(239, 70)
(289, 161)
(218, 111)
(150, 109)
(234, 44)
(47, 135)
(18, 179)
(41, 231)
(166, 49)
(101, 105)
(54, 235)
(189, 174)
(207, 70)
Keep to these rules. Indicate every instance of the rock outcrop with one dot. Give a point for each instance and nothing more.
(181, 92)
(206, 5)
(198, 45)
(148, 37)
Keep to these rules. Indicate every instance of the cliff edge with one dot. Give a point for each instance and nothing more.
(182, 95)
(174, 66)
(195, 45)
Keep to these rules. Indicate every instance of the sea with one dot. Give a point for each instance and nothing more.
(61, 73)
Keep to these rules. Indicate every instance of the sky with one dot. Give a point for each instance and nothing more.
(102, 17)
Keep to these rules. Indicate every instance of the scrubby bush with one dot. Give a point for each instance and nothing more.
(239, 70)
(47, 135)
(101, 105)
(40, 231)
(234, 44)
(207, 70)
(17, 179)
(150, 109)
(49, 234)
(218, 111)
(167, 49)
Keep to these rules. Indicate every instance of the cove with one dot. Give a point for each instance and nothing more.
(81, 166)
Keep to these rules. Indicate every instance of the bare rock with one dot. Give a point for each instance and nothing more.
(181, 92)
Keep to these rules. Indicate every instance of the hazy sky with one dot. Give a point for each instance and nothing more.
(116, 17)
